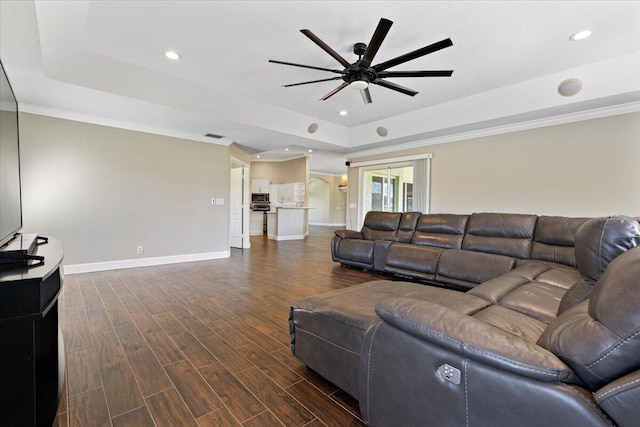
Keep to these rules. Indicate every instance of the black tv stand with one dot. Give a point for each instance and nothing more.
(21, 251)
(32, 355)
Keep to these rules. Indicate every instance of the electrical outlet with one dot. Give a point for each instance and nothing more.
(140, 250)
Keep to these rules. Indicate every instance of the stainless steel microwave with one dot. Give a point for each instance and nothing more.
(259, 197)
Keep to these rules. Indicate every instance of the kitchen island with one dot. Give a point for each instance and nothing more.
(288, 223)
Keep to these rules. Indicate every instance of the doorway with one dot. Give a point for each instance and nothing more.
(238, 205)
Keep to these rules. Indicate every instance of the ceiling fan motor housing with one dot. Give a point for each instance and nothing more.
(359, 48)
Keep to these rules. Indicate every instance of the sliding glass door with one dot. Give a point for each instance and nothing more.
(388, 189)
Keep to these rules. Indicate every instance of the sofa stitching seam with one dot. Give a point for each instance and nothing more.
(607, 394)
(466, 393)
(608, 353)
(375, 331)
(590, 403)
(604, 229)
(465, 346)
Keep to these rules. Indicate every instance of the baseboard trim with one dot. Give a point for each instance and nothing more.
(294, 237)
(328, 224)
(142, 262)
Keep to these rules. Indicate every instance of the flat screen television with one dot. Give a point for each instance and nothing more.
(10, 193)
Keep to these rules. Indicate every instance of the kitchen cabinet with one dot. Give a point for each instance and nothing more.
(260, 185)
(288, 193)
(256, 224)
(288, 223)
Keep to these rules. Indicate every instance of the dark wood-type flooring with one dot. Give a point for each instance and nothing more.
(201, 343)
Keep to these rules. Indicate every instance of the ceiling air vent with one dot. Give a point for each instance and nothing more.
(213, 135)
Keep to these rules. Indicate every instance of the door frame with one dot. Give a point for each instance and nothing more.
(235, 163)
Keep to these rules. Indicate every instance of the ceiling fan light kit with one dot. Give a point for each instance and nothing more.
(360, 74)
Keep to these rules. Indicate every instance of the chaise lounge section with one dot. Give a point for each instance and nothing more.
(399, 347)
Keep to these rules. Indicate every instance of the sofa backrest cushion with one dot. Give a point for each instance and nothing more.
(407, 226)
(381, 225)
(440, 230)
(600, 240)
(600, 338)
(501, 234)
(468, 268)
(554, 239)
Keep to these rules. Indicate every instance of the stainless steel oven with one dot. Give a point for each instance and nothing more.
(261, 206)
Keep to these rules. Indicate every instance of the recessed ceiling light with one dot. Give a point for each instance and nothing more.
(172, 55)
(286, 149)
(580, 35)
(258, 156)
(343, 112)
(311, 151)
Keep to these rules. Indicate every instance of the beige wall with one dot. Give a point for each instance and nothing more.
(105, 191)
(585, 168)
(327, 202)
(238, 154)
(296, 170)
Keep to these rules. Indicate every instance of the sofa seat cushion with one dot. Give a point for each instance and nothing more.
(467, 268)
(534, 289)
(351, 310)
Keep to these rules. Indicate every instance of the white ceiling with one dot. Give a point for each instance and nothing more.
(104, 61)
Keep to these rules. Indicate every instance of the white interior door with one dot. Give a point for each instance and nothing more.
(235, 207)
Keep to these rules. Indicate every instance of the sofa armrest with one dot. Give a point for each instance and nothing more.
(620, 399)
(474, 339)
(349, 234)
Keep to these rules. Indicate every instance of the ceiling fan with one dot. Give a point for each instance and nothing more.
(360, 74)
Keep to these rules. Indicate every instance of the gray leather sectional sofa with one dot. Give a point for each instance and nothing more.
(533, 320)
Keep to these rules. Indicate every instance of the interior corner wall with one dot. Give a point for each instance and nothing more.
(105, 191)
(296, 170)
(240, 155)
(585, 168)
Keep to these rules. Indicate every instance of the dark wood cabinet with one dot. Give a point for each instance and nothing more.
(31, 349)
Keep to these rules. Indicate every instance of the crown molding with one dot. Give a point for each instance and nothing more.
(597, 113)
(85, 118)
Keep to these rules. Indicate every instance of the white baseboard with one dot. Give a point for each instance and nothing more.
(293, 237)
(326, 224)
(142, 262)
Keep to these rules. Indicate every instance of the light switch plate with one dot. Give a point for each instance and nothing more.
(219, 201)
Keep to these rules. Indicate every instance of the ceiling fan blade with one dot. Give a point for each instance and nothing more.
(333, 92)
(306, 66)
(413, 55)
(376, 40)
(439, 73)
(395, 87)
(312, 81)
(366, 95)
(326, 48)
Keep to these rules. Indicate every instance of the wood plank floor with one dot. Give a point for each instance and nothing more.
(201, 344)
